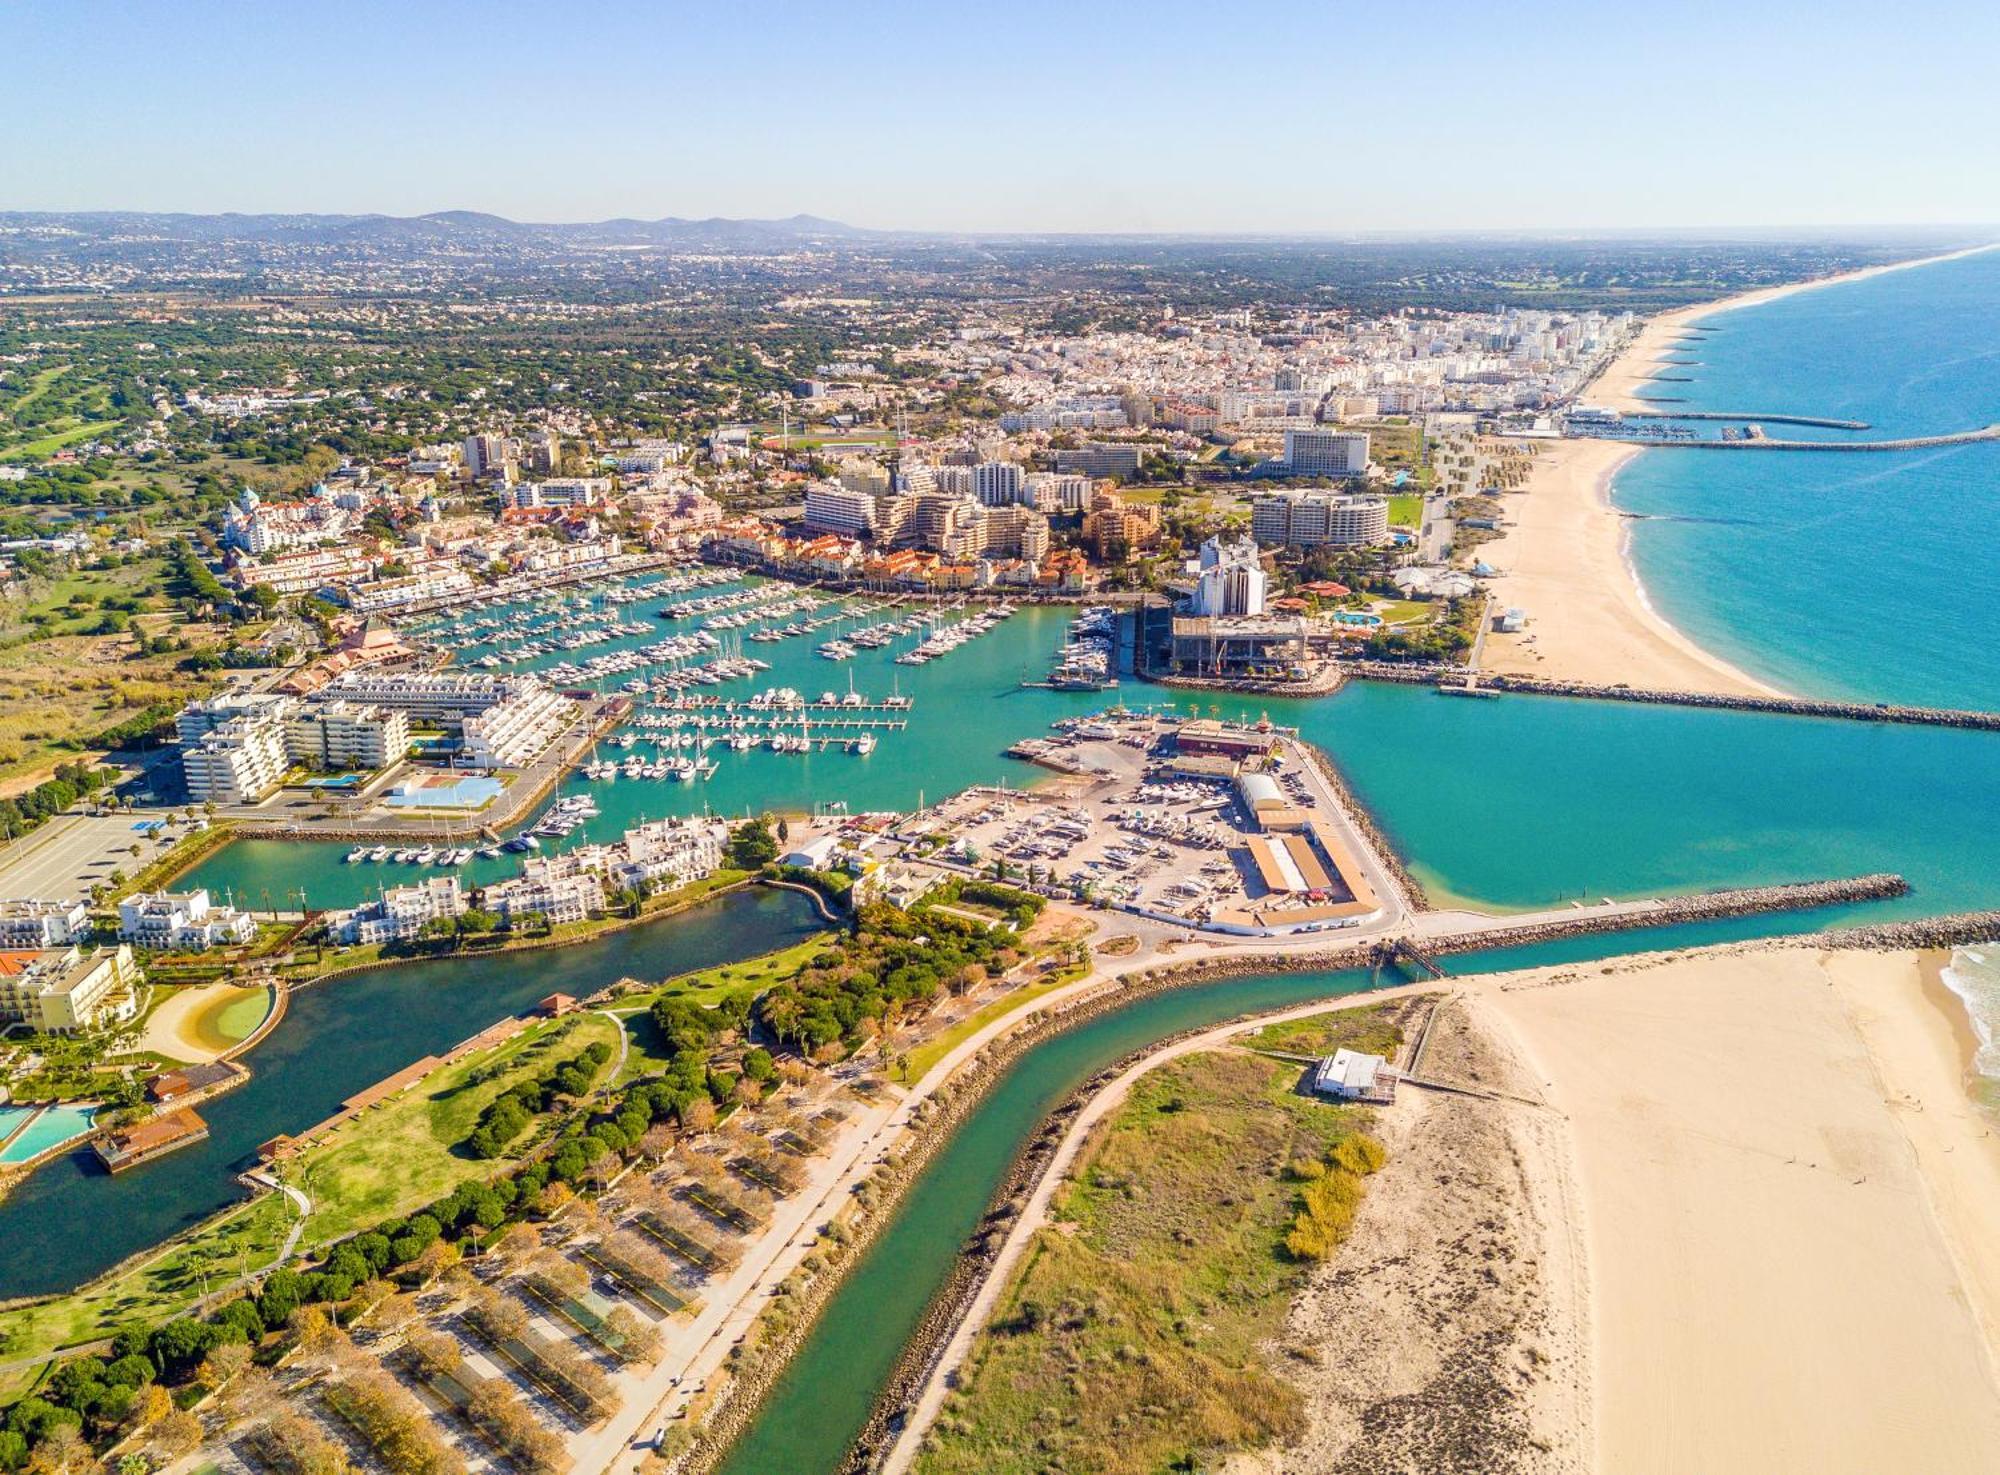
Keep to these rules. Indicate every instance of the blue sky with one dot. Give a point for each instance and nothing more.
(1110, 116)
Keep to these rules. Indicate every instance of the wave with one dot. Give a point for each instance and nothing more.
(1974, 975)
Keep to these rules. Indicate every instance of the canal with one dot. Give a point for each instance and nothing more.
(71, 1220)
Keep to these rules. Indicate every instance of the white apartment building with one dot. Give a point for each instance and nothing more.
(306, 570)
(831, 508)
(341, 734)
(1319, 519)
(234, 747)
(181, 921)
(485, 454)
(1325, 452)
(562, 491)
(997, 483)
(514, 732)
(399, 913)
(31, 925)
(1232, 580)
(385, 594)
(668, 853)
(1048, 492)
(560, 898)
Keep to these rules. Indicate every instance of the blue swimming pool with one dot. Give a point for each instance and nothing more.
(52, 1127)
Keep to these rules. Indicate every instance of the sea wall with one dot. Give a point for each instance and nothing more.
(1956, 930)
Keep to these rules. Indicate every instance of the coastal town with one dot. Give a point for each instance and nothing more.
(541, 820)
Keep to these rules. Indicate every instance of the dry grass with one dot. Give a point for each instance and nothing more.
(1136, 1335)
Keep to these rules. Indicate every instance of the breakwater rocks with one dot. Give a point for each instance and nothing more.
(1955, 930)
(1894, 712)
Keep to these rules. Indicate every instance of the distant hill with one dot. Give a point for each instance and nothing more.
(443, 227)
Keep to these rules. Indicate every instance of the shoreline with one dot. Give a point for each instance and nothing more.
(1838, 1054)
(1566, 557)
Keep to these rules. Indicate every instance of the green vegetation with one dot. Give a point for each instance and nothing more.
(1406, 510)
(1375, 1029)
(236, 1242)
(1136, 1337)
(914, 1066)
(894, 963)
(509, 1114)
(1447, 640)
(417, 1146)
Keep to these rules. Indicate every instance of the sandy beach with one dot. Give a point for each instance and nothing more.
(1791, 1211)
(1564, 558)
(1563, 561)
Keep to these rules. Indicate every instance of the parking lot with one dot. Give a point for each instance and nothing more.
(1138, 830)
(74, 852)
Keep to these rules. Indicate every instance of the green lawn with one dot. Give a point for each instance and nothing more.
(48, 445)
(233, 1243)
(1405, 611)
(1406, 510)
(1137, 1334)
(1371, 1028)
(405, 1152)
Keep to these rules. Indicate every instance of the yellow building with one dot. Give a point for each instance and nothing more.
(66, 989)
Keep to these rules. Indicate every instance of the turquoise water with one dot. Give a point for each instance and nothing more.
(969, 705)
(55, 1126)
(1513, 803)
(1867, 576)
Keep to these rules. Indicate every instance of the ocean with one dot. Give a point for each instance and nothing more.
(1867, 576)
(1974, 975)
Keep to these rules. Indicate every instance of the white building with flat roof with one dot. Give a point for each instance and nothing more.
(1232, 580)
(1325, 452)
(559, 898)
(399, 913)
(184, 921)
(1320, 519)
(36, 926)
(233, 747)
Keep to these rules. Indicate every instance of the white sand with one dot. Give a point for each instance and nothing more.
(1563, 561)
(1791, 1215)
(1564, 556)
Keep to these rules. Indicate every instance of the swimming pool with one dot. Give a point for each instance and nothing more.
(52, 1127)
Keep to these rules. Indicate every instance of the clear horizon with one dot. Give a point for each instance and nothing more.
(1283, 120)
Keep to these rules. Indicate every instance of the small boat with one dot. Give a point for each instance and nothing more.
(357, 854)
(425, 856)
(864, 745)
(379, 854)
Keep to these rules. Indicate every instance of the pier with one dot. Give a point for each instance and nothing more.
(1453, 680)
(1821, 421)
